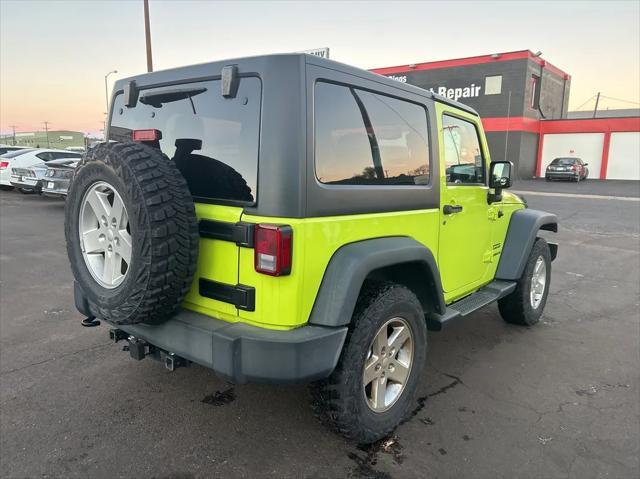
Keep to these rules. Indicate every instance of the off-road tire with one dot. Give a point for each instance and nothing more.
(516, 308)
(339, 400)
(164, 233)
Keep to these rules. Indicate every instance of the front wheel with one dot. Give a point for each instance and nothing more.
(372, 388)
(525, 305)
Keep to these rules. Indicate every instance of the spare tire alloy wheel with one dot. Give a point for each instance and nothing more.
(132, 234)
(105, 235)
(388, 364)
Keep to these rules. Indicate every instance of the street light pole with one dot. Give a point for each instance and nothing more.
(147, 35)
(106, 89)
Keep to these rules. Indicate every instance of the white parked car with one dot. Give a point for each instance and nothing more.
(21, 163)
(5, 166)
(7, 148)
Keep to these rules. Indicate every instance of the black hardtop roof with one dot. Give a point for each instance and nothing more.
(263, 62)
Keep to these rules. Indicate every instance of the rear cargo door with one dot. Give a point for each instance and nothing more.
(214, 141)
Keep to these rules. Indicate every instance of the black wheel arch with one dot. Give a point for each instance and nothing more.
(524, 226)
(402, 260)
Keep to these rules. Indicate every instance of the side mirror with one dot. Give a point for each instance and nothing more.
(500, 174)
(586, 164)
(499, 178)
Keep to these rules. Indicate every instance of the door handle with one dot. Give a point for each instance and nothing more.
(451, 209)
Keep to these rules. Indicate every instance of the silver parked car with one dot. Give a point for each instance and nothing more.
(27, 179)
(58, 176)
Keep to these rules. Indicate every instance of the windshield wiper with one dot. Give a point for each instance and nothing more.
(157, 99)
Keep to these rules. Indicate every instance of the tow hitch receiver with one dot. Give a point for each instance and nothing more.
(140, 349)
(116, 335)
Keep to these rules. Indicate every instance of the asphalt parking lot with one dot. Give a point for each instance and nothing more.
(559, 400)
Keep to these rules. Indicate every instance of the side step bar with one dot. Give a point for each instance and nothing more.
(467, 305)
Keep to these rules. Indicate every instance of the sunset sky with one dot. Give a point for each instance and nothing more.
(54, 54)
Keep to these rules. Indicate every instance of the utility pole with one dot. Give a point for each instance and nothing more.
(595, 110)
(147, 34)
(46, 129)
(506, 136)
(13, 127)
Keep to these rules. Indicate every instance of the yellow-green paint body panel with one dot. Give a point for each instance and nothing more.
(286, 302)
(467, 247)
(217, 261)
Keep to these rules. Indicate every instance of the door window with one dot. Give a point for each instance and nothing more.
(462, 152)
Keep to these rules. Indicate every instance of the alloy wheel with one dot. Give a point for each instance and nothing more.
(538, 282)
(388, 364)
(105, 235)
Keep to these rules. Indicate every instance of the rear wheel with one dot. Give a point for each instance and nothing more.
(372, 388)
(525, 305)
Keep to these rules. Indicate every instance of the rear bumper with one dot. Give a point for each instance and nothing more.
(561, 175)
(27, 184)
(58, 187)
(242, 353)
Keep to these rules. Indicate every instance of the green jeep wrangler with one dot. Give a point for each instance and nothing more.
(288, 218)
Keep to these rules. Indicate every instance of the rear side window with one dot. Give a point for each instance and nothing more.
(46, 156)
(364, 138)
(213, 140)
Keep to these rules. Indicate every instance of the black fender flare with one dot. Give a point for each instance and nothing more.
(522, 233)
(351, 264)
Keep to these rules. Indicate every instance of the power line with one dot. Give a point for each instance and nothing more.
(620, 99)
(608, 98)
(590, 98)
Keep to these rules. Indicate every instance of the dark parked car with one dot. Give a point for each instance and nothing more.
(58, 176)
(572, 169)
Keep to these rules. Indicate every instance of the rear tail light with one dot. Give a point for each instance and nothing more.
(146, 135)
(273, 248)
(4, 165)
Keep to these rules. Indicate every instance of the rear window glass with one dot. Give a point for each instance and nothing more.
(563, 161)
(365, 138)
(213, 140)
(13, 154)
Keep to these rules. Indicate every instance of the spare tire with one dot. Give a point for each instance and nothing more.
(132, 234)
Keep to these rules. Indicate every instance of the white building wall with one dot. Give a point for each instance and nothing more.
(586, 146)
(624, 156)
